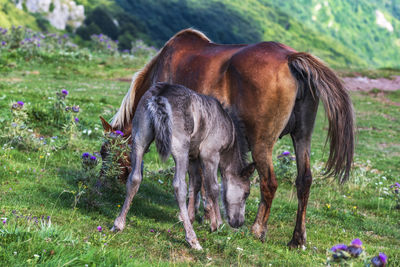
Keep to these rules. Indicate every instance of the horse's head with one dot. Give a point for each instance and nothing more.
(115, 145)
(236, 189)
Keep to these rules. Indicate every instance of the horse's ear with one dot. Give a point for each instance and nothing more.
(248, 170)
(106, 126)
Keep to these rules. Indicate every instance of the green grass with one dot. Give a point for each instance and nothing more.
(31, 186)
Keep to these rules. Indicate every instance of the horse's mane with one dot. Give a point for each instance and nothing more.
(126, 111)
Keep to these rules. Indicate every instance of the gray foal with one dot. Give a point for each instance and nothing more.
(201, 136)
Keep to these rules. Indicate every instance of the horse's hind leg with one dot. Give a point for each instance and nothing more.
(301, 137)
(262, 155)
(180, 188)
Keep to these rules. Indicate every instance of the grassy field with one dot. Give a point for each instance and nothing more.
(50, 220)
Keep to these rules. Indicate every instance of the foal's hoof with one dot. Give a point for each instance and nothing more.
(119, 225)
(258, 232)
(196, 245)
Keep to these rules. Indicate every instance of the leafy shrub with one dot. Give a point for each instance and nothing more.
(103, 44)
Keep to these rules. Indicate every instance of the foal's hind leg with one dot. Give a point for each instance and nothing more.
(301, 137)
(132, 186)
(195, 185)
(195, 181)
(180, 189)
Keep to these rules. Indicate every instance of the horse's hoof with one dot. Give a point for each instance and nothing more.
(294, 244)
(258, 232)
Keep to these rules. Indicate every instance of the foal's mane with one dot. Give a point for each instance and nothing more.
(240, 134)
(144, 78)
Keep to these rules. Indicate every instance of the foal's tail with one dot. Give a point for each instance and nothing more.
(160, 114)
(314, 75)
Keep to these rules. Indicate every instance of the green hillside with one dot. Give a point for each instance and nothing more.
(345, 34)
(10, 15)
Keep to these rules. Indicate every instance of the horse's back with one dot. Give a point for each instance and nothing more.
(256, 78)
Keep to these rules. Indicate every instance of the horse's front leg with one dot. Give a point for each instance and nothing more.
(180, 188)
(262, 155)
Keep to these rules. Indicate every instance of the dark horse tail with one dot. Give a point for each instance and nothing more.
(160, 114)
(314, 75)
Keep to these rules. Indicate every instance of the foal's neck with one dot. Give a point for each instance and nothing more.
(231, 159)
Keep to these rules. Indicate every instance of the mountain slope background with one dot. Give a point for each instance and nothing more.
(346, 34)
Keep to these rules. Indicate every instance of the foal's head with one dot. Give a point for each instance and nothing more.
(236, 172)
(236, 189)
(117, 139)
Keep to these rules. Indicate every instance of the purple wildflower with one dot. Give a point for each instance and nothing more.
(75, 109)
(152, 230)
(285, 153)
(395, 185)
(379, 261)
(93, 158)
(85, 155)
(64, 92)
(118, 132)
(383, 257)
(3, 43)
(99, 228)
(356, 242)
(20, 103)
(76, 119)
(338, 247)
(4, 221)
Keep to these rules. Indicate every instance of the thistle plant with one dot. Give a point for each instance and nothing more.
(118, 150)
(59, 106)
(16, 132)
(396, 194)
(344, 255)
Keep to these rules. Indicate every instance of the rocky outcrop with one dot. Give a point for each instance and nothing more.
(60, 13)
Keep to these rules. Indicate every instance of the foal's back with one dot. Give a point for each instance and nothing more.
(199, 120)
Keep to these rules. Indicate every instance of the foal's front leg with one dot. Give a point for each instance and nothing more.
(132, 186)
(180, 188)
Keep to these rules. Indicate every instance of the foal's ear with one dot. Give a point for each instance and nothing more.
(248, 170)
(106, 126)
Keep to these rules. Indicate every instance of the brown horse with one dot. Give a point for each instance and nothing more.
(275, 91)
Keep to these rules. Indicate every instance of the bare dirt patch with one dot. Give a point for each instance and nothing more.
(366, 84)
